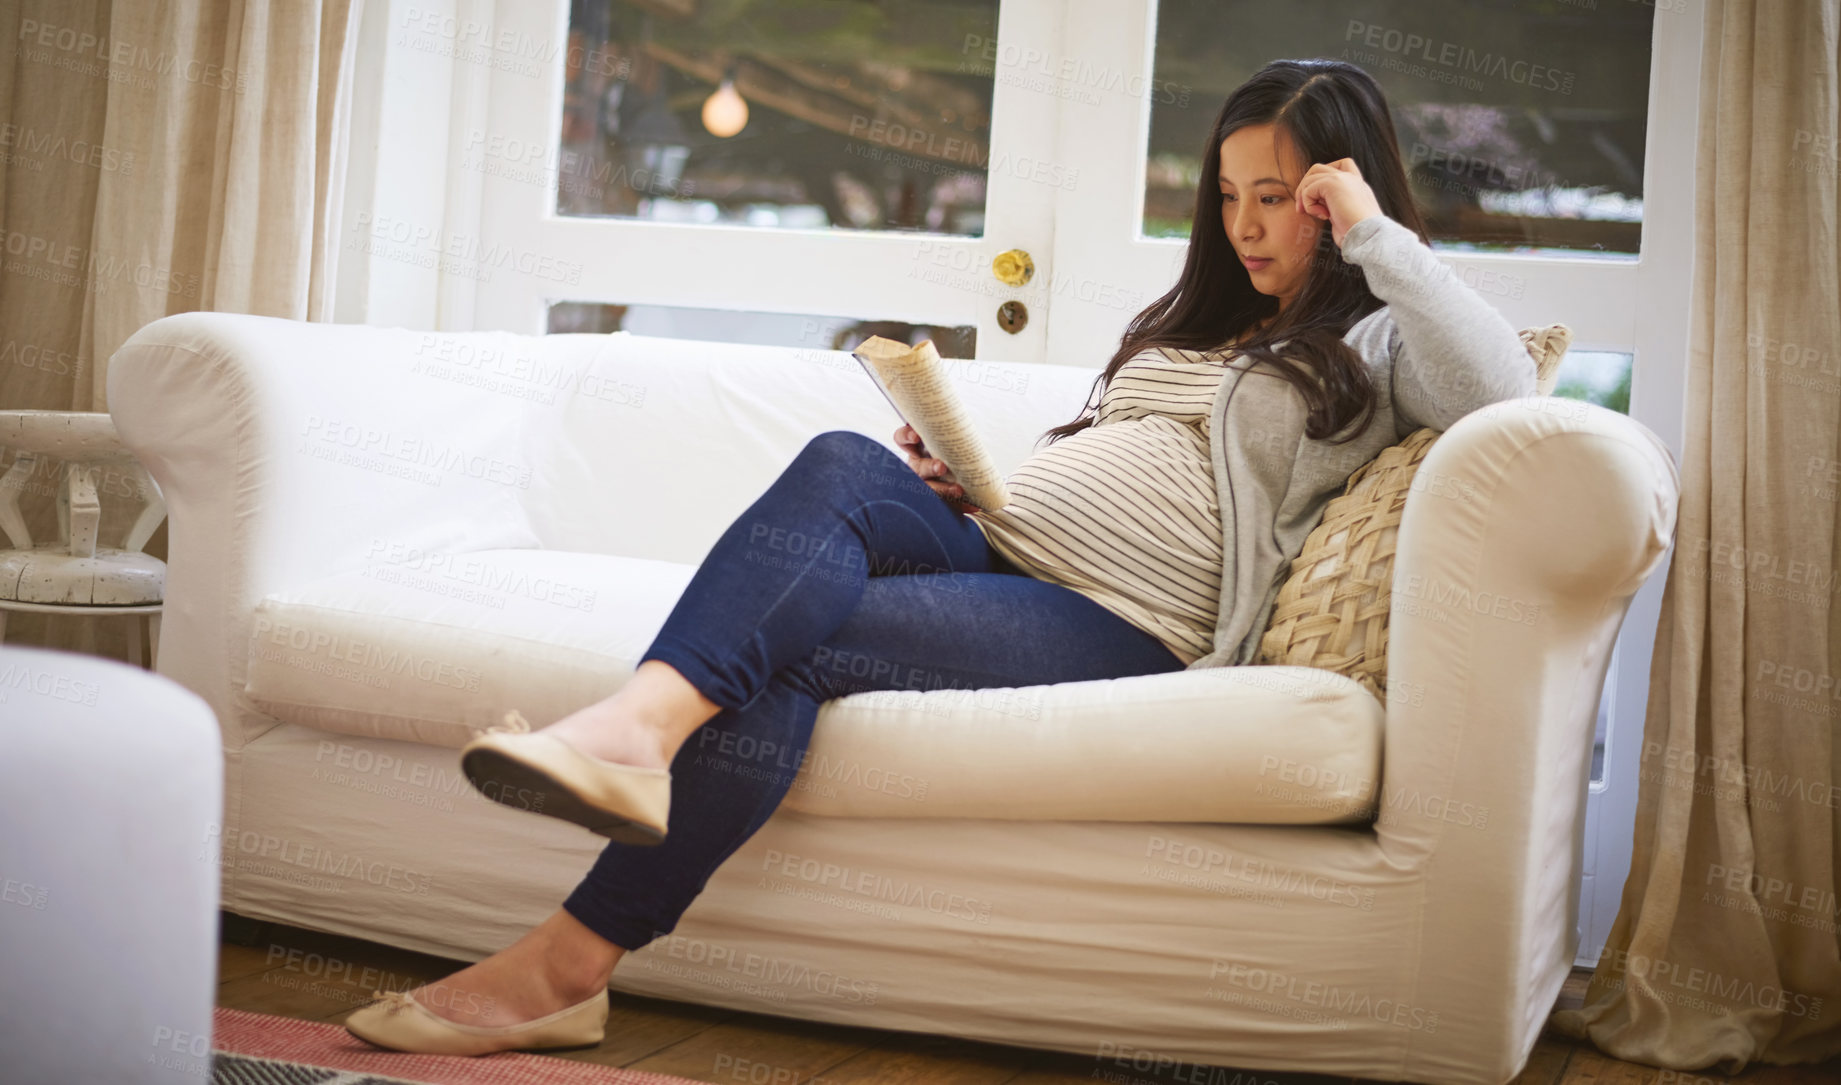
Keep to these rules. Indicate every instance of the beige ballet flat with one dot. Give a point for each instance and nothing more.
(400, 1023)
(516, 767)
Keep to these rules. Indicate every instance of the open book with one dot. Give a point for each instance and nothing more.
(915, 382)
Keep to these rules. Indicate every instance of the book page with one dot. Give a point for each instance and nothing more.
(917, 386)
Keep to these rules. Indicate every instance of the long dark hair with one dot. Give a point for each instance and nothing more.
(1330, 109)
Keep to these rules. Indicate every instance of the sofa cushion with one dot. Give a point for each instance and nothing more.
(1271, 745)
(432, 648)
(1332, 610)
(721, 421)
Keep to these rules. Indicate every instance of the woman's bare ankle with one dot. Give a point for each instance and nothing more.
(557, 964)
(578, 962)
(643, 724)
(607, 731)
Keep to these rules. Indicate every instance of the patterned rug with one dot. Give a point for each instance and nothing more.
(228, 1069)
(261, 1049)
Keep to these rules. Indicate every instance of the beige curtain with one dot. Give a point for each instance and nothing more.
(1724, 952)
(156, 157)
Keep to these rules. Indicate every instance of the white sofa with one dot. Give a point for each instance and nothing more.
(381, 539)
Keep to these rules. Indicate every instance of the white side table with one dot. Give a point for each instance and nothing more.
(73, 575)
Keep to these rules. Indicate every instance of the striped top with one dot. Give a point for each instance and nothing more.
(1127, 512)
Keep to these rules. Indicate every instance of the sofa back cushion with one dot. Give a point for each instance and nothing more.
(666, 441)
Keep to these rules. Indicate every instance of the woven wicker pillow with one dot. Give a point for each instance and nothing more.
(1331, 611)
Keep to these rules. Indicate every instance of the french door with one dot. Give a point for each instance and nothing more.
(998, 146)
(1022, 171)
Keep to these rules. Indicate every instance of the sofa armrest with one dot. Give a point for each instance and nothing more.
(1531, 525)
(289, 451)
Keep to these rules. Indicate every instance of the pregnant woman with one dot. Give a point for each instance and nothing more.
(1151, 535)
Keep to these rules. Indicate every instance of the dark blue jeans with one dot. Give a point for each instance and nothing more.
(848, 574)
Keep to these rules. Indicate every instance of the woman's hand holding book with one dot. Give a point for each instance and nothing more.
(933, 472)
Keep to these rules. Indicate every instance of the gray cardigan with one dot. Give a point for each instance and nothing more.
(1436, 350)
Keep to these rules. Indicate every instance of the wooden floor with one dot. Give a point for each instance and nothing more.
(269, 968)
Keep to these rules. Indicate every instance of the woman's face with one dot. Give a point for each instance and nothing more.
(1259, 210)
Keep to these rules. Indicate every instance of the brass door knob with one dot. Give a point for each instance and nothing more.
(1013, 268)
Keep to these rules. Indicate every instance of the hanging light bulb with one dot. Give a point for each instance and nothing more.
(725, 111)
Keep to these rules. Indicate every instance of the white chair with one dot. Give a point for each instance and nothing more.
(71, 574)
(111, 794)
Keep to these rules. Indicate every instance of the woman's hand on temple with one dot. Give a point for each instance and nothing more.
(933, 472)
(1337, 192)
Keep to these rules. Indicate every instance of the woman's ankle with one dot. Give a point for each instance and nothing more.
(644, 724)
(573, 986)
(667, 705)
(610, 733)
(577, 962)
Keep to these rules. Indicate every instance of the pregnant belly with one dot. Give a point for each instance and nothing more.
(1127, 506)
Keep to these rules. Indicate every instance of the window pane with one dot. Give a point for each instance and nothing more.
(841, 114)
(1520, 122)
(763, 329)
(1599, 377)
(1601, 734)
